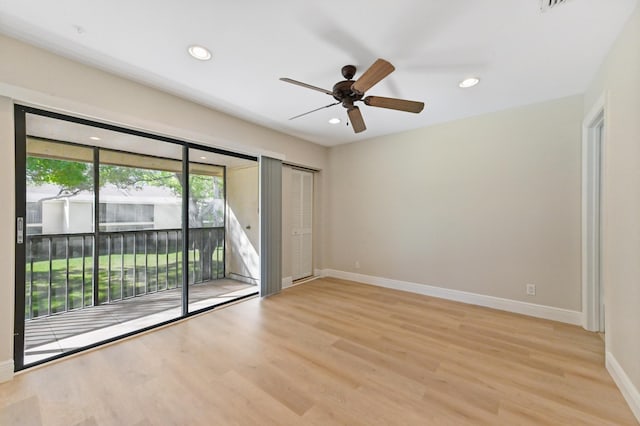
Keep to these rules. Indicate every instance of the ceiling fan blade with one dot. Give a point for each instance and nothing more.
(308, 86)
(376, 72)
(317, 109)
(357, 122)
(393, 103)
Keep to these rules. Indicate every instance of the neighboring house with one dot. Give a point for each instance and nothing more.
(120, 210)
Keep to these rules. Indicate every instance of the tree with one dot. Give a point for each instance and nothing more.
(72, 177)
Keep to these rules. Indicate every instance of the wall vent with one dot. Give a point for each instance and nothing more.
(546, 5)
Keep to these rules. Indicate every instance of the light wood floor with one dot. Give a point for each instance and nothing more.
(331, 352)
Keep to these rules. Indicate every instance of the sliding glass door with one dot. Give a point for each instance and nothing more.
(206, 228)
(59, 237)
(139, 237)
(212, 260)
(118, 231)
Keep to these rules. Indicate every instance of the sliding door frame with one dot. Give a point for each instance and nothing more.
(185, 230)
(21, 231)
(20, 113)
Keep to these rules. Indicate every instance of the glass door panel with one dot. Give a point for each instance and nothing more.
(132, 219)
(140, 231)
(140, 237)
(58, 240)
(206, 230)
(210, 283)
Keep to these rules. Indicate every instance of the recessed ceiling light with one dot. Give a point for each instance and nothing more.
(94, 138)
(334, 121)
(199, 52)
(469, 82)
(203, 158)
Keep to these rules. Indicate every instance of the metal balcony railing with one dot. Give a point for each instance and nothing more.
(60, 274)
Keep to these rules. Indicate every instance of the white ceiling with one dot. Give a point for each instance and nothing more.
(521, 55)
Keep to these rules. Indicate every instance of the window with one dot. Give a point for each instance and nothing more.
(125, 217)
(34, 218)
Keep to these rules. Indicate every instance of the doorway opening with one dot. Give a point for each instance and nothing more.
(297, 220)
(592, 284)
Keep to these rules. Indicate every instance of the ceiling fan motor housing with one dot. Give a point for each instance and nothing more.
(342, 92)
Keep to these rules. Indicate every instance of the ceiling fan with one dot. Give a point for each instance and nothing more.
(348, 91)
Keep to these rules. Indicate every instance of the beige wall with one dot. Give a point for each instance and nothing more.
(243, 224)
(7, 233)
(483, 205)
(33, 76)
(619, 81)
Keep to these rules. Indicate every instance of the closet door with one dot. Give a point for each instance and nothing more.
(302, 224)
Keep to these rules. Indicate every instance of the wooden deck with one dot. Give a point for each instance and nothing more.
(332, 352)
(44, 335)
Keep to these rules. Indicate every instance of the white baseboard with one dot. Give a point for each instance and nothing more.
(531, 309)
(628, 390)
(320, 272)
(6, 370)
(292, 283)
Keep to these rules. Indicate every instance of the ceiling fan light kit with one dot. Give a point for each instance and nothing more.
(348, 92)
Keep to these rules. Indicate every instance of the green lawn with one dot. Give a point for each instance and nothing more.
(160, 274)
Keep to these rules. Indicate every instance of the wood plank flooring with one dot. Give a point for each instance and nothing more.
(331, 352)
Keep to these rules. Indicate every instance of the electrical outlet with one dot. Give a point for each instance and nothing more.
(531, 289)
(357, 264)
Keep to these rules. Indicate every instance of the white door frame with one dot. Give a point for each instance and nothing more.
(592, 179)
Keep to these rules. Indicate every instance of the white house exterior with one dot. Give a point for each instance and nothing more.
(49, 214)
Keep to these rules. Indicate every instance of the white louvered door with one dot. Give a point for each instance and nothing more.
(302, 224)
